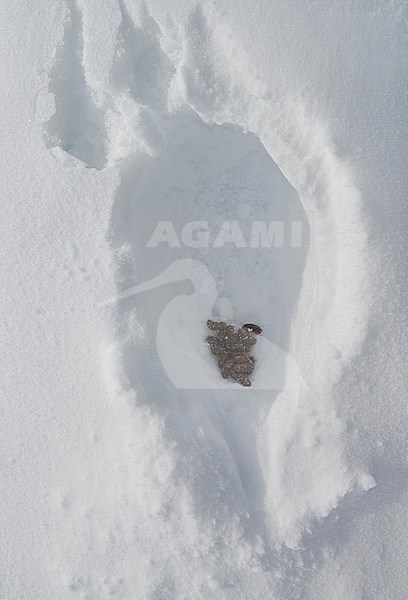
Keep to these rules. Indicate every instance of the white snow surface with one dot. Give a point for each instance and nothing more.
(130, 469)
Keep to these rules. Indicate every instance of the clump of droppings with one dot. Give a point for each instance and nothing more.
(232, 350)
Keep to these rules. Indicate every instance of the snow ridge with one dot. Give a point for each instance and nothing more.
(77, 125)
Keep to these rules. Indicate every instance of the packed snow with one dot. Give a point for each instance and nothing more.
(170, 162)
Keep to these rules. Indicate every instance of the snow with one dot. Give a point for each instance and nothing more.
(130, 468)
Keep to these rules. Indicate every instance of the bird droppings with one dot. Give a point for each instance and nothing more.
(232, 350)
